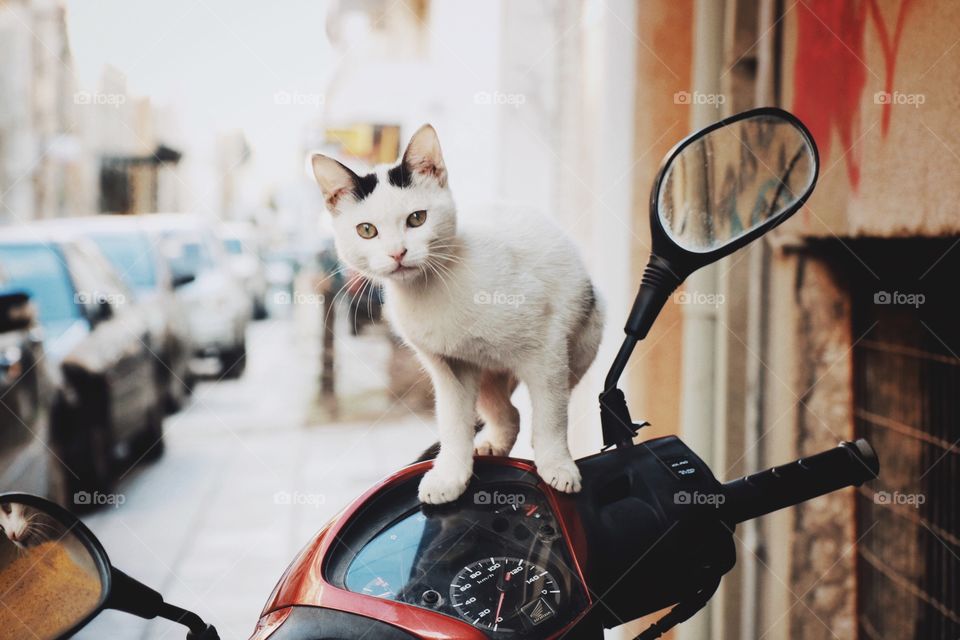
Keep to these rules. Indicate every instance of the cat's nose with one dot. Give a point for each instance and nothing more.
(398, 256)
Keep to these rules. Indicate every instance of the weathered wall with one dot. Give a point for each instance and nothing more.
(876, 81)
(663, 69)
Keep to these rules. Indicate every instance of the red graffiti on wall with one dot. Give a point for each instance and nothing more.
(830, 71)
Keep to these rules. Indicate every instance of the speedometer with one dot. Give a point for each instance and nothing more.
(504, 594)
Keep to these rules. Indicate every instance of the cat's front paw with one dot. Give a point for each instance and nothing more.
(562, 475)
(440, 486)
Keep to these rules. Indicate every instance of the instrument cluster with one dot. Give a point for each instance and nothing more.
(496, 558)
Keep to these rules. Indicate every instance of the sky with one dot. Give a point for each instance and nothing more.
(218, 65)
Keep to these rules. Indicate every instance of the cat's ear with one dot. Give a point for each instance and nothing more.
(335, 179)
(423, 155)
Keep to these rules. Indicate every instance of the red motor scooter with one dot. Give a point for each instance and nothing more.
(651, 529)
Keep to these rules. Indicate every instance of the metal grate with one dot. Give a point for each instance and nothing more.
(907, 403)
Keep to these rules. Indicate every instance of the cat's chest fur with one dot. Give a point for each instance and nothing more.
(447, 323)
(496, 301)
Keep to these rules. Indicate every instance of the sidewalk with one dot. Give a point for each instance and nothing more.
(247, 479)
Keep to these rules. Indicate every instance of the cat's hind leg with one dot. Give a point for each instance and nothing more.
(501, 419)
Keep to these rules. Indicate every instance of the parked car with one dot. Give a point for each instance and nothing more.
(27, 461)
(105, 404)
(217, 308)
(242, 248)
(127, 246)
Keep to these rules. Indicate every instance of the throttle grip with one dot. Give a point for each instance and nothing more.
(849, 464)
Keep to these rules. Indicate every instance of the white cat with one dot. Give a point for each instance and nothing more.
(484, 306)
(22, 524)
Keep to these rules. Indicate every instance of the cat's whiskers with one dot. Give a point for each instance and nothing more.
(367, 284)
(343, 290)
(433, 266)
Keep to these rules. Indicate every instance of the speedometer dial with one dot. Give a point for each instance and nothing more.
(504, 594)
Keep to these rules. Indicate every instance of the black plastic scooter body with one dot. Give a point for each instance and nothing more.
(651, 515)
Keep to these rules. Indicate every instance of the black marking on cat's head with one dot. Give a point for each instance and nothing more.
(401, 175)
(363, 186)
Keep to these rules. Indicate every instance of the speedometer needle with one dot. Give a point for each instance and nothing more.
(496, 616)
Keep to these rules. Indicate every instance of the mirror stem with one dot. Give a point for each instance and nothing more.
(659, 281)
(134, 597)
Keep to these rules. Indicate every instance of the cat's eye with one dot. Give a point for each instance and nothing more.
(416, 218)
(366, 230)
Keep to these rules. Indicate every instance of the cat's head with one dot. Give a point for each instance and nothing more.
(22, 525)
(395, 223)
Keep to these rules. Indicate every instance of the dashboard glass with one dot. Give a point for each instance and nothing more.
(495, 558)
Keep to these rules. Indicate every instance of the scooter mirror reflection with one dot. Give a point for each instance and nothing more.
(731, 180)
(51, 579)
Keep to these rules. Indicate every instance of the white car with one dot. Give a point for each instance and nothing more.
(217, 306)
(242, 246)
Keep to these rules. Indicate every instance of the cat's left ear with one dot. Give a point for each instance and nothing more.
(423, 155)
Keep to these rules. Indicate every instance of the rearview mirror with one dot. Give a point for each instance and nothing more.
(717, 190)
(55, 576)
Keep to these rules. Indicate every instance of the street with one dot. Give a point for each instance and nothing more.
(251, 472)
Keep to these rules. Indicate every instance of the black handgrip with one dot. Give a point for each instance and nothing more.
(849, 464)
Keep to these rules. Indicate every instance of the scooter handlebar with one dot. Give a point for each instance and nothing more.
(849, 464)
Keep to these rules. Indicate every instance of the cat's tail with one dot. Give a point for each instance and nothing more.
(431, 452)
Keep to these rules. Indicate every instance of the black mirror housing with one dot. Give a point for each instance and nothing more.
(670, 262)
